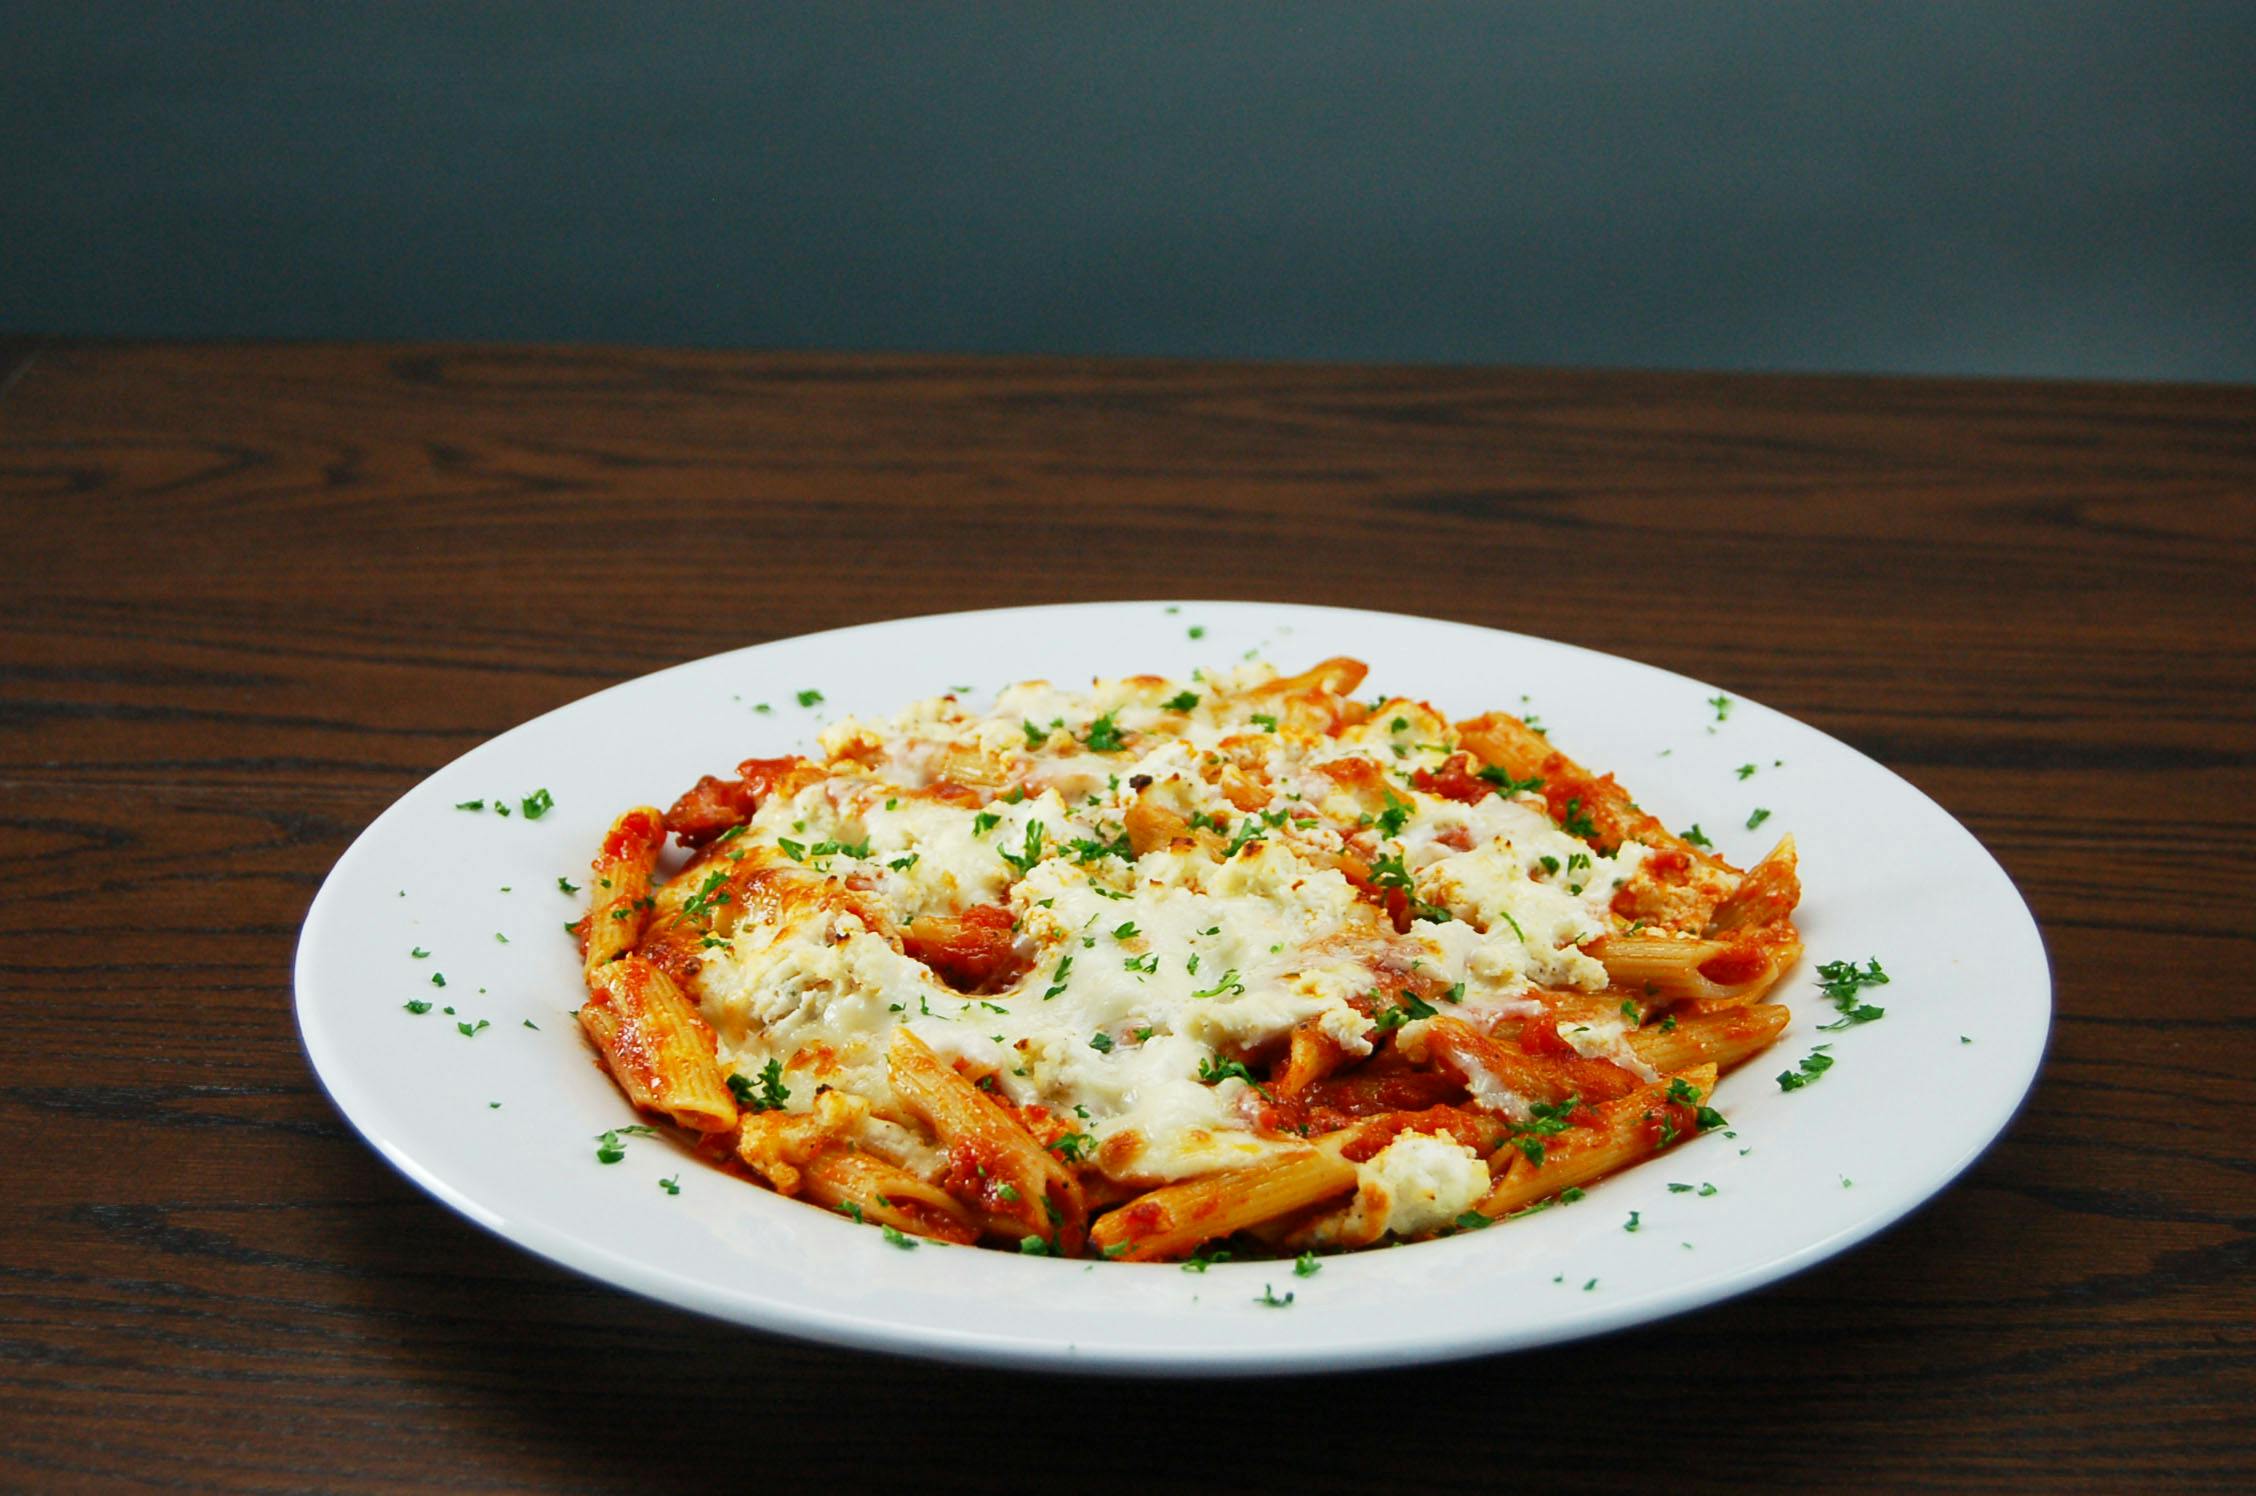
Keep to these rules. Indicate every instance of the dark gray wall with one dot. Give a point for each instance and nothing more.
(2010, 188)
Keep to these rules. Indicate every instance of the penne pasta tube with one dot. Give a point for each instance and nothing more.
(1504, 1078)
(1314, 1054)
(1722, 1039)
(619, 905)
(869, 1188)
(995, 1166)
(1635, 1127)
(656, 1045)
(1678, 969)
(1174, 1219)
(1336, 676)
(1765, 897)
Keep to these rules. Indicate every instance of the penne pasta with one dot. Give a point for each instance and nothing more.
(656, 1045)
(1170, 962)
(995, 1166)
(1670, 969)
(618, 907)
(870, 1189)
(1633, 1128)
(1173, 1220)
(1721, 1039)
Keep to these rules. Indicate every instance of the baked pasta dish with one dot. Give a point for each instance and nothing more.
(1132, 970)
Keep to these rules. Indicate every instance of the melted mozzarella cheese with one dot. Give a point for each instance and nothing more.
(1416, 1183)
(1147, 983)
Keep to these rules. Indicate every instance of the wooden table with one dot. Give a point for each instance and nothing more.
(255, 593)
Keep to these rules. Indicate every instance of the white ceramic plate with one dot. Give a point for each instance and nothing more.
(501, 1124)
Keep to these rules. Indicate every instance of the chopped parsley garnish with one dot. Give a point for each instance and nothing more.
(1181, 701)
(1205, 1257)
(1086, 851)
(984, 822)
(1036, 734)
(1684, 1093)
(1813, 1065)
(537, 804)
(1104, 736)
(1213, 1072)
(1101, 1043)
(1632, 1223)
(1761, 815)
(419, 953)
(470, 805)
(1407, 1007)
(1506, 916)
(1394, 817)
(768, 1094)
(713, 893)
(1506, 785)
(1746, 771)
(671, 1186)
(1306, 1265)
(1265, 722)
(1270, 1299)
(1388, 872)
(608, 1148)
(417, 1005)
(1473, 1220)
(1058, 977)
(1545, 1120)
(899, 1238)
(1029, 854)
(810, 698)
(850, 1208)
(1840, 981)
(1143, 965)
(438, 979)
(1196, 631)
(1722, 705)
(566, 885)
(1698, 838)
(903, 863)
(796, 851)
(1125, 931)
(1576, 821)
(1074, 1147)
(1228, 983)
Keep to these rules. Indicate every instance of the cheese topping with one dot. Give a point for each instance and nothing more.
(1146, 978)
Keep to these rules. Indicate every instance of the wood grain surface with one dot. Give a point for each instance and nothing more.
(255, 593)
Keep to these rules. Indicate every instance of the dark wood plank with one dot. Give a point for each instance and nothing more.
(257, 592)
